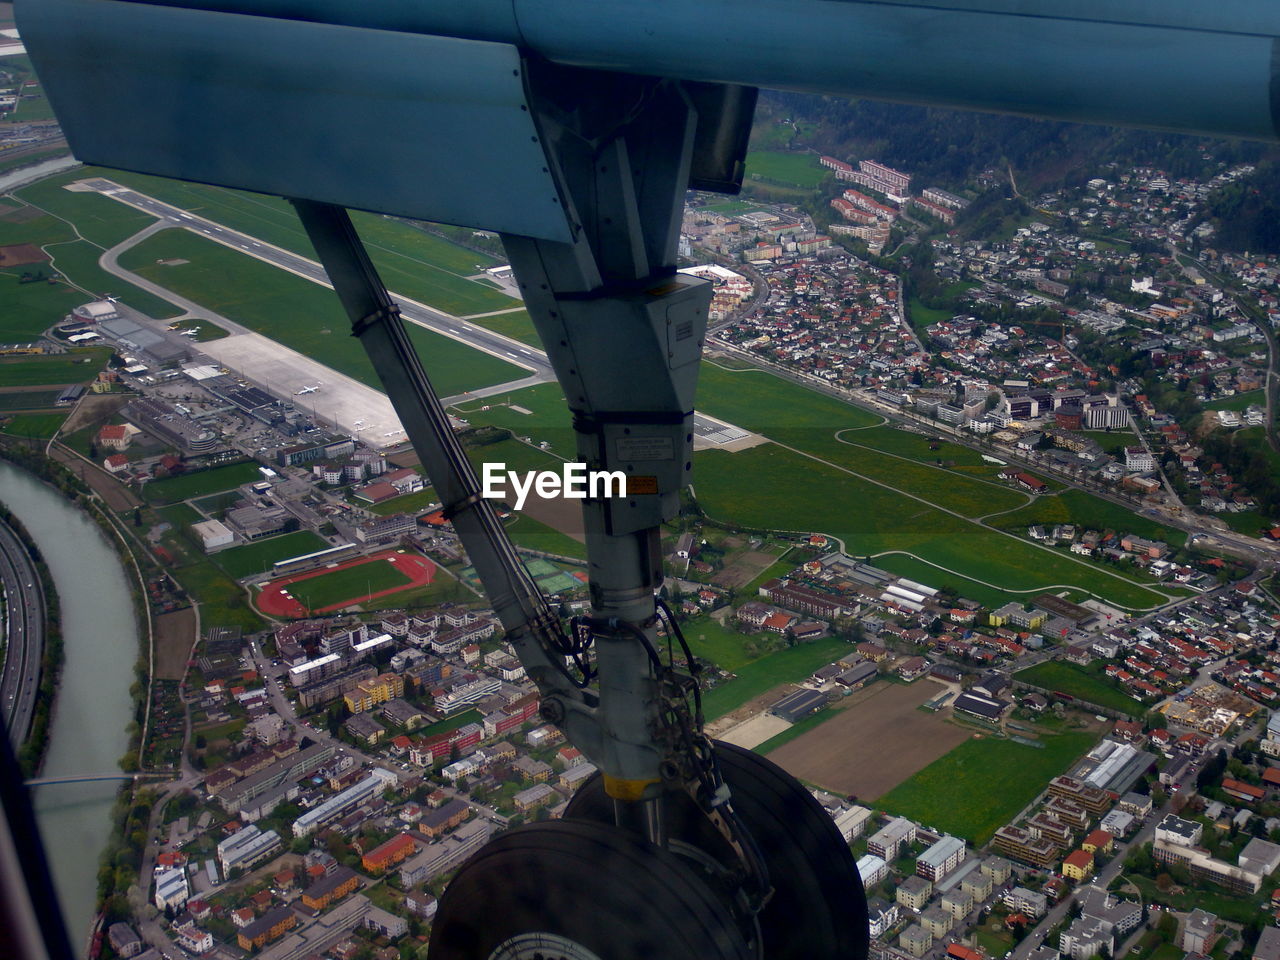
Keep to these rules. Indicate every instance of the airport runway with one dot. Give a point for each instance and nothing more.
(709, 432)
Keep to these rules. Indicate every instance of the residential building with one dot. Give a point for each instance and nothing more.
(872, 870)
(246, 847)
(881, 916)
(539, 795)
(370, 693)
(386, 855)
(1078, 865)
(341, 804)
(937, 921)
(957, 903)
(1173, 829)
(1268, 945)
(941, 858)
(1019, 844)
(887, 841)
(330, 888)
(384, 923)
(439, 858)
(1085, 938)
(171, 888)
(1022, 900)
(916, 940)
(124, 941)
(269, 927)
(914, 892)
(1199, 932)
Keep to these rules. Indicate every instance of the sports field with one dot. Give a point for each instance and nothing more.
(869, 748)
(296, 312)
(1076, 681)
(323, 591)
(257, 557)
(983, 783)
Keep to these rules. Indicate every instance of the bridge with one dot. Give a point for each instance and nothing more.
(95, 777)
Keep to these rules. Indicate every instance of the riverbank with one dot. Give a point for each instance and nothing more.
(102, 701)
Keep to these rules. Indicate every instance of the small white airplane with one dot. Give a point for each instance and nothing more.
(312, 389)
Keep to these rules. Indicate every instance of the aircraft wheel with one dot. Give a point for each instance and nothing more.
(576, 890)
(819, 907)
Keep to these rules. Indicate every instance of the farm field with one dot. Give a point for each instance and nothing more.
(785, 666)
(257, 557)
(870, 747)
(173, 489)
(768, 487)
(983, 782)
(780, 166)
(294, 311)
(34, 425)
(414, 264)
(1078, 682)
(78, 366)
(28, 400)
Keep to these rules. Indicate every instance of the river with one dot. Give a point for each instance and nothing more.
(93, 707)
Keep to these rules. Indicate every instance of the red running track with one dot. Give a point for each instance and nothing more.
(274, 603)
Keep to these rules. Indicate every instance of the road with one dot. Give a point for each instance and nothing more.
(24, 630)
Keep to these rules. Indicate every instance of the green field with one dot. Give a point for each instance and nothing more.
(758, 676)
(200, 484)
(99, 222)
(531, 534)
(35, 425)
(222, 602)
(780, 166)
(922, 316)
(28, 400)
(1238, 402)
(78, 366)
(351, 583)
(983, 783)
(722, 645)
(770, 488)
(517, 326)
(548, 418)
(449, 724)
(1078, 682)
(931, 576)
(205, 330)
(257, 557)
(405, 503)
(412, 262)
(296, 312)
(1087, 512)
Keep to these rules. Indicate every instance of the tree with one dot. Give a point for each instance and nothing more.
(1155, 720)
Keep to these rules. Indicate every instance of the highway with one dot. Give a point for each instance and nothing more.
(24, 630)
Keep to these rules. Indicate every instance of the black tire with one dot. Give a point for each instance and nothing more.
(819, 907)
(599, 888)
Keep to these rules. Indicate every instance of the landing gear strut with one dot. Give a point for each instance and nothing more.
(666, 855)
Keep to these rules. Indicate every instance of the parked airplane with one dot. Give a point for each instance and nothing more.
(311, 389)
